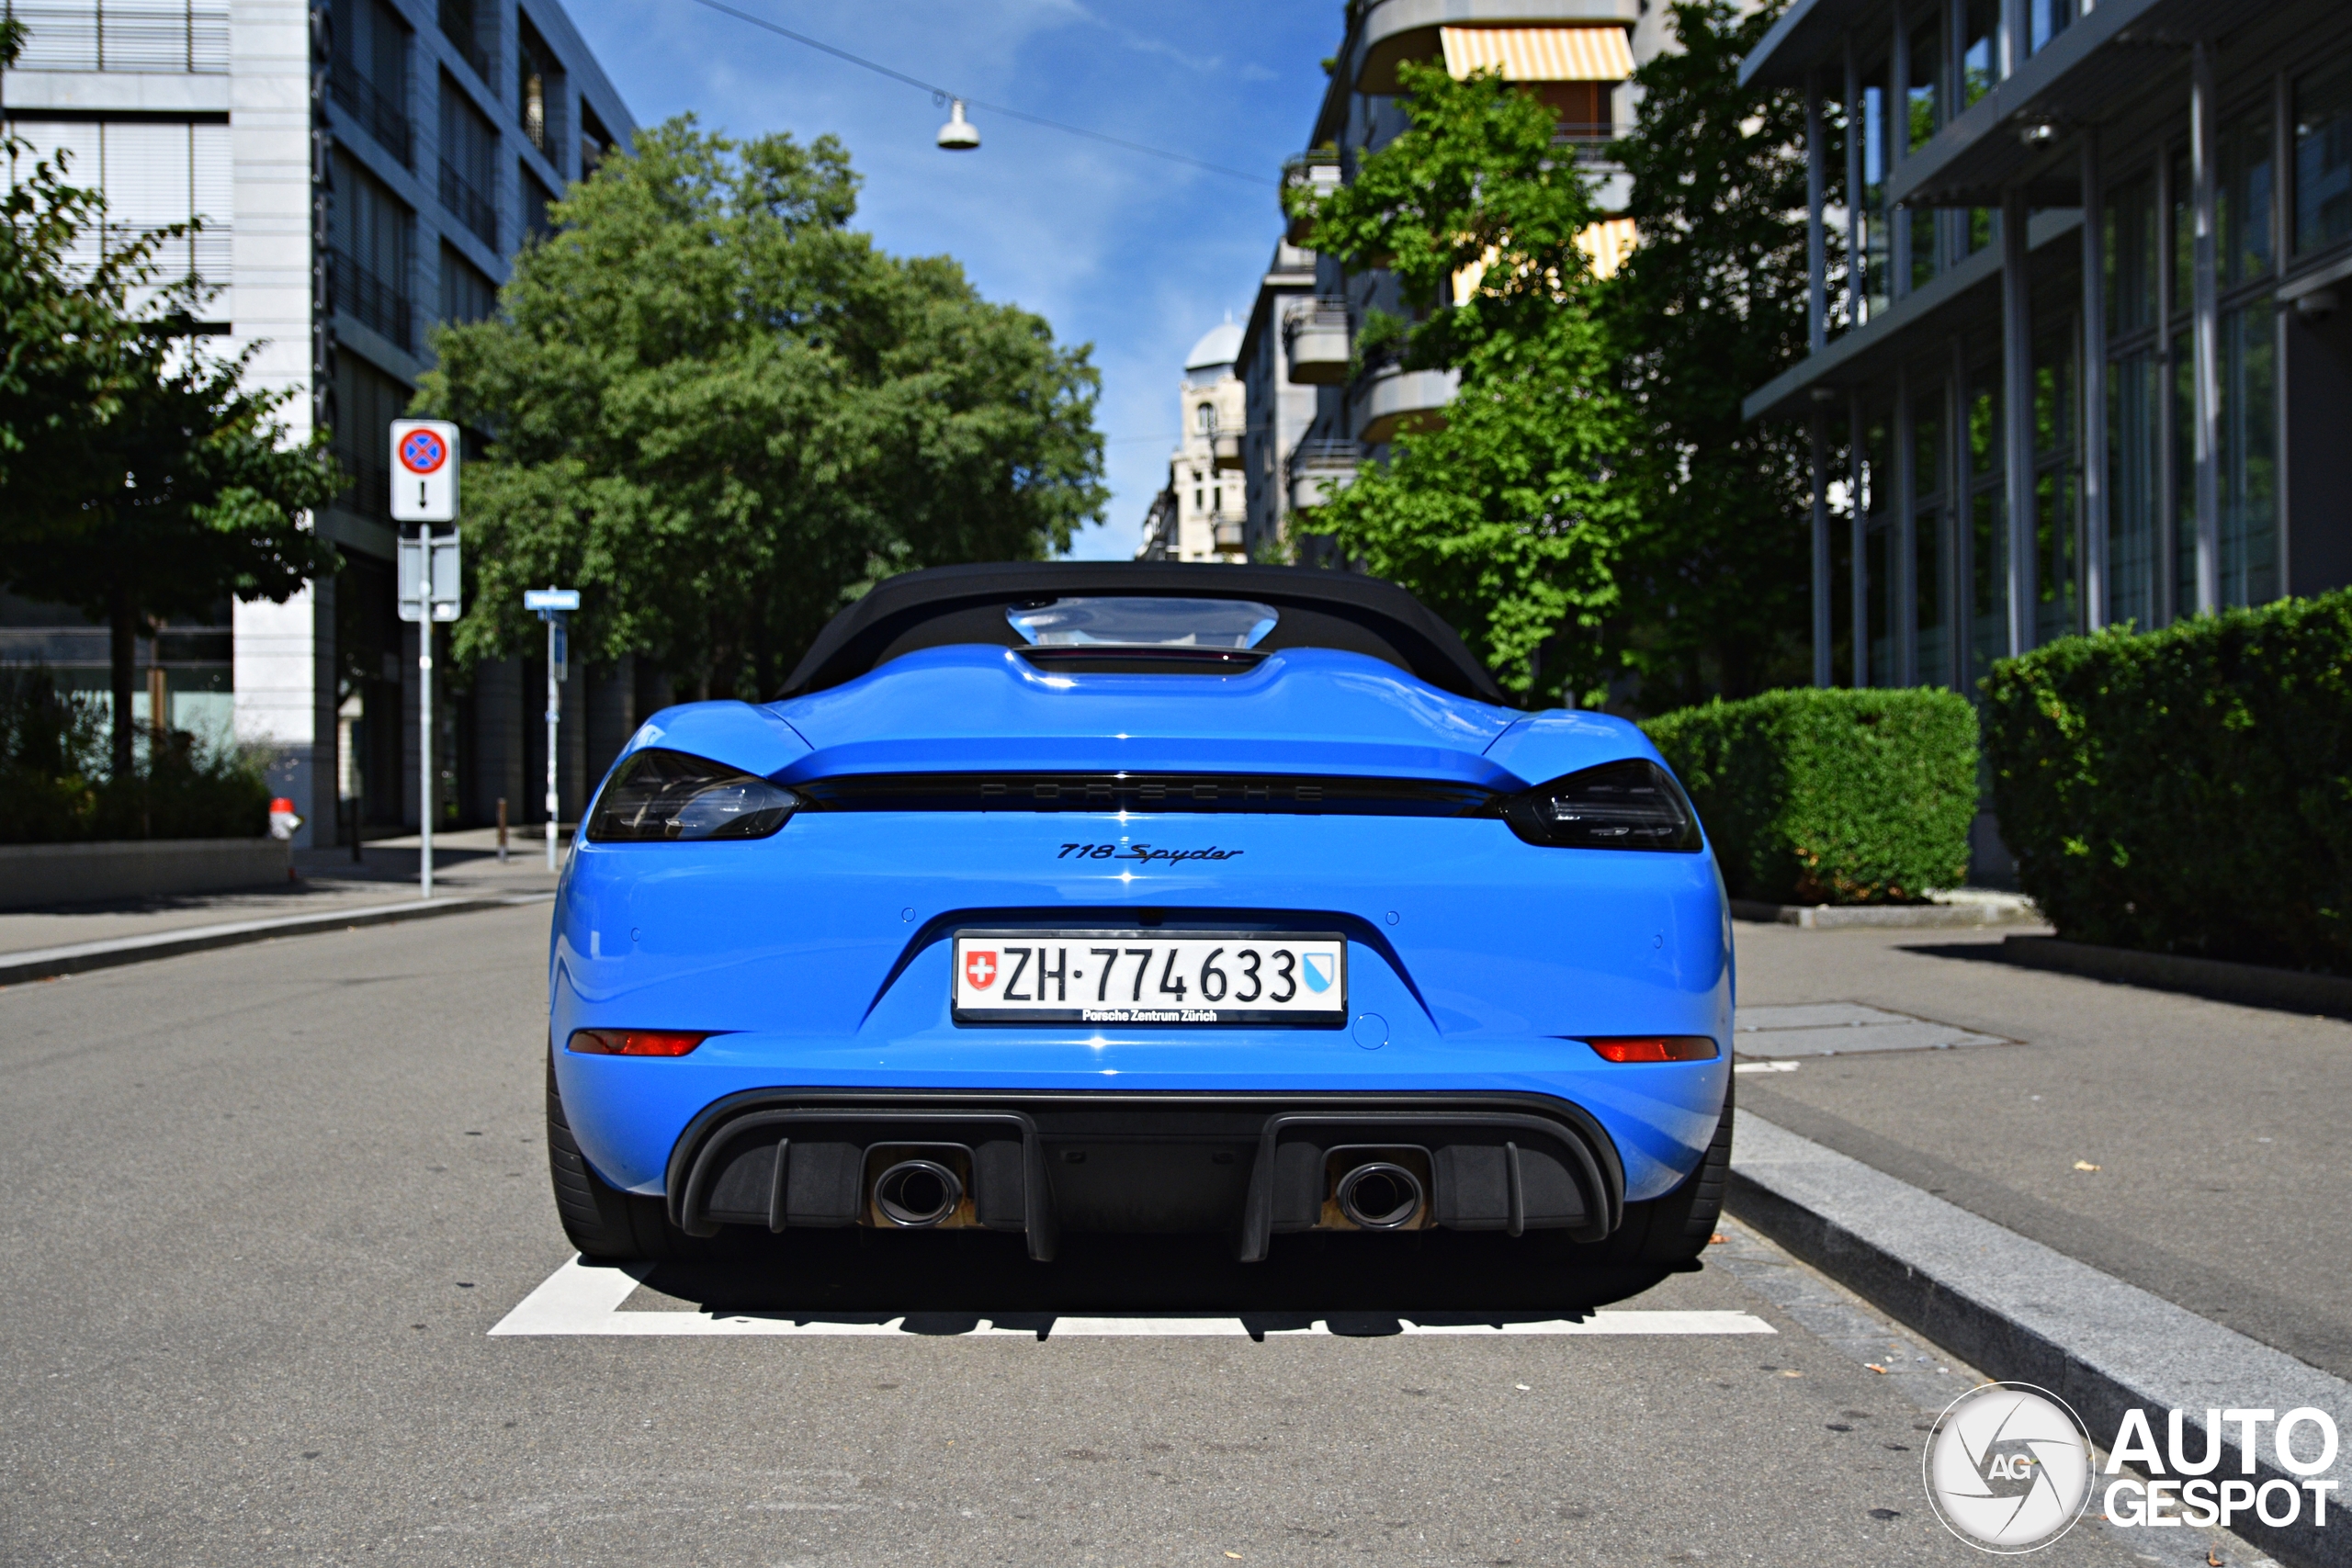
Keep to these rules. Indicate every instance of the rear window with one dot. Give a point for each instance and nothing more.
(1102, 622)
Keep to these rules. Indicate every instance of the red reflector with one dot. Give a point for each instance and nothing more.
(634, 1041)
(1656, 1048)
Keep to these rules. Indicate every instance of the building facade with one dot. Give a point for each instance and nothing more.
(1201, 515)
(1324, 409)
(2086, 349)
(362, 169)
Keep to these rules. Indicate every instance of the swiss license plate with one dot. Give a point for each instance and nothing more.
(1127, 978)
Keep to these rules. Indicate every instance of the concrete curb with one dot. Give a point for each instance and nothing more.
(1834, 917)
(2254, 984)
(2026, 1313)
(48, 963)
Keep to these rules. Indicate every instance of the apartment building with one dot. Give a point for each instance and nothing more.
(1199, 514)
(1316, 410)
(2089, 357)
(362, 168)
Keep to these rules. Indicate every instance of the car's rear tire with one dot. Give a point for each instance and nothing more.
(1676, 1228)
(603, 1223)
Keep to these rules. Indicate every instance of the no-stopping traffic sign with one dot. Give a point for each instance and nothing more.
(425, 470)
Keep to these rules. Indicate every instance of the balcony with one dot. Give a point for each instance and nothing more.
(1315, 173)
(1387, 400)
(1231, 533)
(369, 300)
(1315, 341)
(1320, 469)
(382, 117)
(469, 206)
(1226, 445)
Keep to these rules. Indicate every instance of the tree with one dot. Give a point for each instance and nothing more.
(139, 477)
(721, 412)
(1710, 306)
(62, 321)
(203, 501)
(1509, 517)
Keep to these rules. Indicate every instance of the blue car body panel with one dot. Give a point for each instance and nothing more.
(820, 954)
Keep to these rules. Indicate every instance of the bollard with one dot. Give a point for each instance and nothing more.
(501, 829)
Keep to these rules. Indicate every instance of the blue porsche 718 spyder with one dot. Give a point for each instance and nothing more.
(1140, 897)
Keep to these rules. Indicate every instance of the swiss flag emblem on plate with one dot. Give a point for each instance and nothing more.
(979, 969)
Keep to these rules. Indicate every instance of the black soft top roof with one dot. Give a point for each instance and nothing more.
(950, 604)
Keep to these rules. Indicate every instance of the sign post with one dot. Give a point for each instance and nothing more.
(424, 491)
(551, 603)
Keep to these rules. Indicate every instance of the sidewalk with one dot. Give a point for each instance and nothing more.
(2213, 1133)
(465, 866)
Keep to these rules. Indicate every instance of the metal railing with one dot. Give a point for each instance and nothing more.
(383, 116)
(159, 36)
(1325, 455)
(468, 205)
(360, 294)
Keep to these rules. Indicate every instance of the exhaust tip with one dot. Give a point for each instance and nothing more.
(916, 1194)
(1380, 1196)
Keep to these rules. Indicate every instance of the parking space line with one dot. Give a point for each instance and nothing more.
(586, 1299)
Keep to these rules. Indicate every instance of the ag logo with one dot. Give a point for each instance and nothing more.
(979, 970)
(2008, 1468)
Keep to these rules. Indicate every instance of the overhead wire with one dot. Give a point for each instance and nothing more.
(943, 95)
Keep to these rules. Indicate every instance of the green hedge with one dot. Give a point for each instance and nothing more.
(1831, 797)
(2186, 790)
(54, 786)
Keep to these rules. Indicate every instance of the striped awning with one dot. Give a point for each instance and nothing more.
(1539, 55)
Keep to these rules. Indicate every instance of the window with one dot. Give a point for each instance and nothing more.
(466, 294)
(1922, 105)
(1980, 48)
(462, 24)
(1931, 622)
(2323, 160)
(371, 238)
(469, 164)
(538, 92)
(2045, 19)
(1870, 115)
(2249, 455)
(2243, 197)
(369, 74)
(1879, 499)
(161, 36)
(595, 141)
(1204, 418)
(365, 403)
(1988, 569)
(1923, 112)
(154, 173)
(2135, 401)
(2056, 488)
(537, 221)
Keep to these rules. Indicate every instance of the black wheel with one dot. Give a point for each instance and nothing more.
(1676, 1228)
(603, 1223)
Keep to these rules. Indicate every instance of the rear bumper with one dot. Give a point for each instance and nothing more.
(1253, 1165)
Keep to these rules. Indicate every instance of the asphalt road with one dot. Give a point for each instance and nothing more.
(265, 1204)
(2217, 1131)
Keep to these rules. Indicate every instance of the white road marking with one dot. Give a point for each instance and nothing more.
(585, 1299)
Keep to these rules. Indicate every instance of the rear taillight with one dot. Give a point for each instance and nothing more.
(1655, 1048)
(662, 797)
(635, 1041)
(1631, 804)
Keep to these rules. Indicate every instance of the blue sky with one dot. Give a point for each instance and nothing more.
(1133, 255)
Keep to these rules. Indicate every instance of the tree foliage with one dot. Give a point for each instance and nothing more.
(139, 475)
(1710, 306)
(1594, 513)
(1509, 517)
(721, 412)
